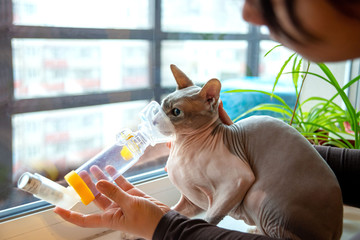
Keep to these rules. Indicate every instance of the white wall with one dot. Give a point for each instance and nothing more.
(315, 86)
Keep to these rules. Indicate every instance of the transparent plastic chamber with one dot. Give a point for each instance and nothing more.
(155, 127)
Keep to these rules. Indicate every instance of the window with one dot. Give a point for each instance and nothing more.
(73, 73)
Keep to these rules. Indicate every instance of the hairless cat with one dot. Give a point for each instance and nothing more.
(260, 169)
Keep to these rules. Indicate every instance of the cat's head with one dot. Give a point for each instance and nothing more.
(191, 107)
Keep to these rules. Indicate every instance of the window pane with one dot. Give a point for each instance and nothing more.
(65, 139)
(44, 67)
(202, 60)
(203, 16)
(53, 143)
(132, 14)
(264, 30)
(270, 65)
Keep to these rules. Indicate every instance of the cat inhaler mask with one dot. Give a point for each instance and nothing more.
(155, 124)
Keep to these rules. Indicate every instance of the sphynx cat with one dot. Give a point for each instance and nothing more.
(260, 169)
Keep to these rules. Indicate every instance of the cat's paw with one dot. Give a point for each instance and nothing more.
(253, 230)
(127, 236)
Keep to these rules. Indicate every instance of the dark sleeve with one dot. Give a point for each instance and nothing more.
(345, 163)
(175, 226)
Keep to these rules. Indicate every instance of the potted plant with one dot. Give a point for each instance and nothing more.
(325, 123)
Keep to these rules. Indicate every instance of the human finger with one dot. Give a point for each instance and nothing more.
(88, 181)
(115, 193)
(90, 221)
(120, 181)
(97, 173)
(100, 201)
(223, 115)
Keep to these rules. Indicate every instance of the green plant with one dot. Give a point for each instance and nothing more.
(324, 123)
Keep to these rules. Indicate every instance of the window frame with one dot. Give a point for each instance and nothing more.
(9, 106)
(352, 69)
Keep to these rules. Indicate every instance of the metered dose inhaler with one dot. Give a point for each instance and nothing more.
(155, 127)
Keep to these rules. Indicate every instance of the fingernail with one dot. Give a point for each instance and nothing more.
(100, 184)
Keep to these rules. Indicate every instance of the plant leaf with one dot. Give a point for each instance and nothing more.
(281, 71)
(279, 45)
(352, 113)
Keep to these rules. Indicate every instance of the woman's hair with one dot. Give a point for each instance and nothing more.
(268, 13)
(347, 7)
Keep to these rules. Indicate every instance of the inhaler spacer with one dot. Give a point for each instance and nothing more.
(155, 127)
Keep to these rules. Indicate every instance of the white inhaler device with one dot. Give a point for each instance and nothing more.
(155, 127)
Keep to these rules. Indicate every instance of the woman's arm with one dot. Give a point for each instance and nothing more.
(345, 163)
(175, 226)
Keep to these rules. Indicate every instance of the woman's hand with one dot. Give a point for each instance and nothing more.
(125, 208)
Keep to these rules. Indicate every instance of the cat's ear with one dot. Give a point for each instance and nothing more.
(181, 79)
(211, 91)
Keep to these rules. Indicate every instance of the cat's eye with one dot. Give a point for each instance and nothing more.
(176, 112)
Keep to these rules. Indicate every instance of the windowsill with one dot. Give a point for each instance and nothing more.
(47, 225)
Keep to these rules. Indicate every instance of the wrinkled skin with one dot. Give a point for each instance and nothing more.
(260, 169)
